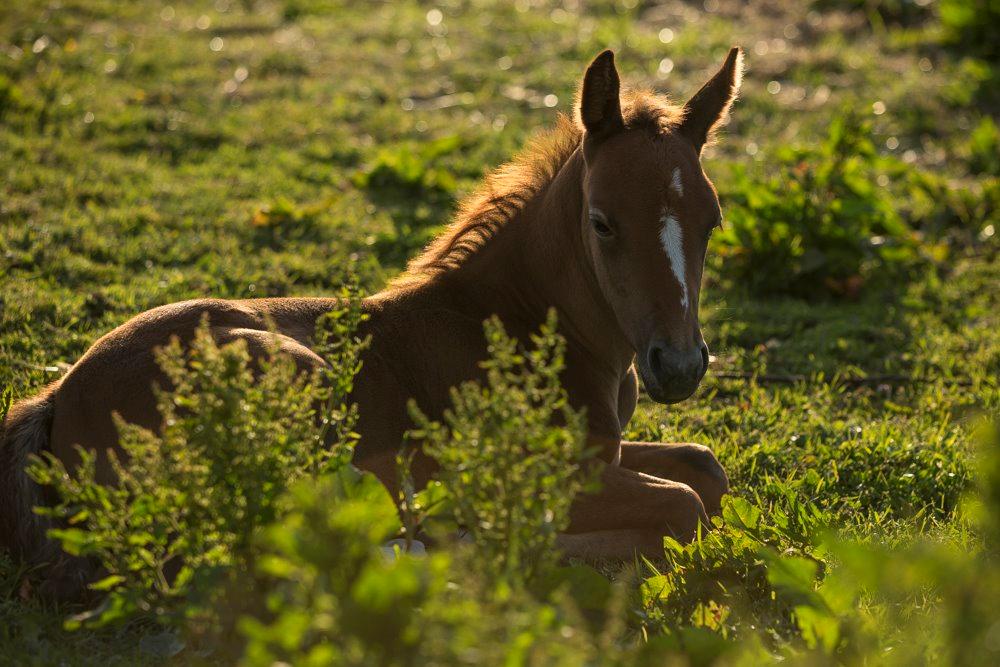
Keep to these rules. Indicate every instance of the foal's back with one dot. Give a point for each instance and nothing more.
(418, 341)
(117, 374)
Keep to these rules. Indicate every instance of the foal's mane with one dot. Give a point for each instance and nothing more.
(508, 189)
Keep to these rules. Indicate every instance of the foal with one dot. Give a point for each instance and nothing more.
(607, 219)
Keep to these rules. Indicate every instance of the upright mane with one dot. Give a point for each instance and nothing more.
(506, 191)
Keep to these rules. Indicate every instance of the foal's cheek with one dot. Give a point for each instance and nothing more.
(604, 268)
(617, 283)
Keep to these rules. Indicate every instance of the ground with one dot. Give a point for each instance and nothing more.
(153, 151)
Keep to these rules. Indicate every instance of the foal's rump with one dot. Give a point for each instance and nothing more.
(116, 375)
(24, 432)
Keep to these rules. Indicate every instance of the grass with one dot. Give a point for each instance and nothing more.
(152, 152)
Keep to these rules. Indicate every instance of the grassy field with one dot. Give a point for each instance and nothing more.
(157, 151)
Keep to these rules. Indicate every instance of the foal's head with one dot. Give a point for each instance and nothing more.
(649, 210)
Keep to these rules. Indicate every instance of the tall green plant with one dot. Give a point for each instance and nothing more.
(188, 501)
(511, 452)
(331, 597)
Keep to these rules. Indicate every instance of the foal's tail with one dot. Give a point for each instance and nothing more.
(24, 432)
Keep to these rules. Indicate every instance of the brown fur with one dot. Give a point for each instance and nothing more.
(520, 245)
(24, 433)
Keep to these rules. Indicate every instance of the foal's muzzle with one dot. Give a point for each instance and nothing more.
(671, 375)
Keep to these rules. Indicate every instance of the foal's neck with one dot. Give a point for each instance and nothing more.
(539, 261)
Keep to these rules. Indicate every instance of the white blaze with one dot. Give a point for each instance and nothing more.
(675, 182)
(672, 239)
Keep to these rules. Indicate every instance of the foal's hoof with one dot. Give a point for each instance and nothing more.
(708, 476)
(687, 514)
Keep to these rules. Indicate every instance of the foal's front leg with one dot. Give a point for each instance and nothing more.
(630, 514)
(691, 464)
(694, 465)
(658, 490)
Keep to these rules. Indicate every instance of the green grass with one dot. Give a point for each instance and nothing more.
(152, 152)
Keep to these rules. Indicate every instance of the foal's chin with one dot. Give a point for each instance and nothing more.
(659, 396)
(674, 393)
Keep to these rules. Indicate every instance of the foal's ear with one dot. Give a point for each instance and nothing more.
(600, 108)
(709, 106)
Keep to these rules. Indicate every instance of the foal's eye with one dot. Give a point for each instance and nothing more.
(601, 228)
(600, 224)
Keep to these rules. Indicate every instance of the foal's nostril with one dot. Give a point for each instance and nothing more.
(656, 359)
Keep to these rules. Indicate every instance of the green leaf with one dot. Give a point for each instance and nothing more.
(74, 541)
(107, 583)
(793, 577)
(655, 589)
(433, 500)
(702, 646)
(589, 588)
(819, 628)
(741, 513)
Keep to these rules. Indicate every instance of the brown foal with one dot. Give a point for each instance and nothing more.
(606, 219)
